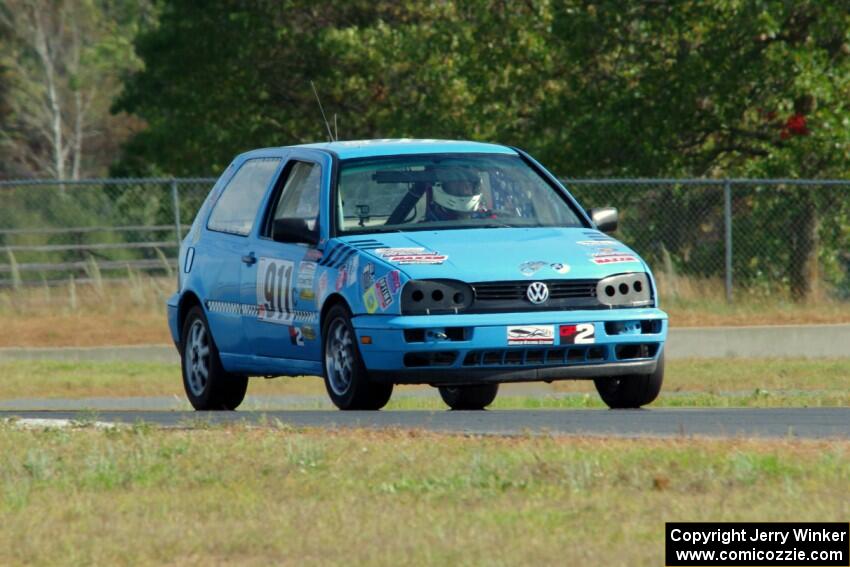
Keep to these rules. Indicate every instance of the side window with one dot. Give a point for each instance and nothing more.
(237, 207)
(301, 194)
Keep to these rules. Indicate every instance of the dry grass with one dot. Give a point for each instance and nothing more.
(133, 311)
(694, 302)
(105, 313)
(273, 495)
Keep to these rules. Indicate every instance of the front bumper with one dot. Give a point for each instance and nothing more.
(457, 349)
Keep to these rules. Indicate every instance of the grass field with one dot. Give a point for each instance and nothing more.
(273, 495)
(711, 383)
(133, 312)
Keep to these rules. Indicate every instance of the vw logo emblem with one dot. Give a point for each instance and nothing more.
(537, 293)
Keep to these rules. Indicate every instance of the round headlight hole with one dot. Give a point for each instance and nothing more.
(417, 295)
(638, 286)
(437, 295)
(609, 290)
(624, 288)
(458, 297)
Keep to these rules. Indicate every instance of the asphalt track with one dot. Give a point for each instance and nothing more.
(810, 423)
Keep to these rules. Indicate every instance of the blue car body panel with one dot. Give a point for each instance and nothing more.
(359, 270)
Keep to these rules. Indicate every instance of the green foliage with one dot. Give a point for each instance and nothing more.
(721, 88)
(61, 64)
(609, 88)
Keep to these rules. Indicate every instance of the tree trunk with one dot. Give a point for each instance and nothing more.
(79, 110)
(803, 269)
(77, 148)
(57, 142)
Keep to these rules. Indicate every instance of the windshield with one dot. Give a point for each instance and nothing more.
(428, 192)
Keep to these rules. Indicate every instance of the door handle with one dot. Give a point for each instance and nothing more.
(249, 259)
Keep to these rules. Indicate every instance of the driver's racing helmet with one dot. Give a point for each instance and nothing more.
(459, 191)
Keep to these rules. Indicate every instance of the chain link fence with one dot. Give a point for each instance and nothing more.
(735, 238)
(91, 229)
(750, 238)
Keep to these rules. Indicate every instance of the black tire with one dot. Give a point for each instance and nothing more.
(635, 391)
(469, 397)
(346, 378)
(218, 390)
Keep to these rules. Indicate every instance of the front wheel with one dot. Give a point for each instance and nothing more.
(346, 379)
(469, 397)
(635, 391)
(208, 386)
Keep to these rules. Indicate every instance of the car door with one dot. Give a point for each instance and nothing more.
(225, 243)
(283, 283)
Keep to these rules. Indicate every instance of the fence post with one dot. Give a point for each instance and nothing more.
(176, 198)
(727, 221)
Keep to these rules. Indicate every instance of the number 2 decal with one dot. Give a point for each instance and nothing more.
(578, 334)
(584, 334)
(274, 291)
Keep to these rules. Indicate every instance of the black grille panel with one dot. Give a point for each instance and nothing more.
(511, 296)
(559, 356)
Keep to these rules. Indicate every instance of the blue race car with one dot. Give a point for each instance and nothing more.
(456, 264)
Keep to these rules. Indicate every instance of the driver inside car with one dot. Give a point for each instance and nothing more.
(457, 198)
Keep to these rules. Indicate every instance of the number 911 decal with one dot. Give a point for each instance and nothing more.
(274, 291)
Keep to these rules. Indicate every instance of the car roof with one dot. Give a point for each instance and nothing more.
(404, 146)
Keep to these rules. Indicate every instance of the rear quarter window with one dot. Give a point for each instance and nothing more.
(236, 209)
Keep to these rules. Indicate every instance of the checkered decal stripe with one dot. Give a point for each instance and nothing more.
(233, 308)
(305, 316)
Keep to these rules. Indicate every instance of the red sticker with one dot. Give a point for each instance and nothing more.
(614, 259)
(578, 334)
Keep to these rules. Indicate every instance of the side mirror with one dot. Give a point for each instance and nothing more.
(294, 231)
(605, 218)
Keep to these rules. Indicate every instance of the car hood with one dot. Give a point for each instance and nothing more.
(479, 255)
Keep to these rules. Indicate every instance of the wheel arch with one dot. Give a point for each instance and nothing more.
(331, 301)
(187, 301)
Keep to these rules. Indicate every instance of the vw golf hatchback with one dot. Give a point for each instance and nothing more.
(456, 264)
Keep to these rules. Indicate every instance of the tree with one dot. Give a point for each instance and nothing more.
(740, 88)
(593, 88)
(63, 61)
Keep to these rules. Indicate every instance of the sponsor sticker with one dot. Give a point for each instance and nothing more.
(394, 280)
(322, 286)
(308, 332)
(341, 277)
(597, 242)
(614, 259)
(411, 256)
(304, 281)
(351, 270)
(386, 252)
(530, 268)
(295, 336)
(531, 335)
(370, 300)
(382, 290)
(367, 277)
(578, 334)
(560, 268)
